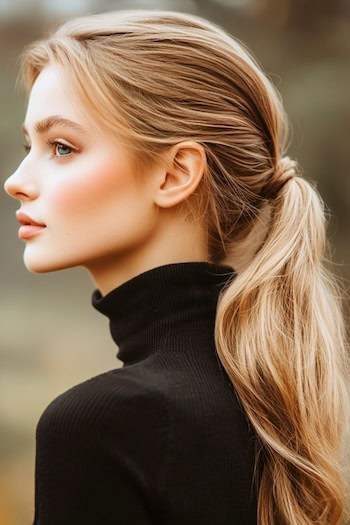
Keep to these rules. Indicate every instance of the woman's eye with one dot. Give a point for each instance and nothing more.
(55, 144)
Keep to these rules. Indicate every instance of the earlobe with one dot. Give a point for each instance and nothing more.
(186, 166)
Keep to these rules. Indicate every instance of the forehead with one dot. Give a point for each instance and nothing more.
(51, 94)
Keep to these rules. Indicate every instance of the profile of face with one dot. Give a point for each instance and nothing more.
(83, 189)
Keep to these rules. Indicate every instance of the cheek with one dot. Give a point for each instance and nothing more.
(91, 192)
(96, 195)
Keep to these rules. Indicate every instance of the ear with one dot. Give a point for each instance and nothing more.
(186, 165)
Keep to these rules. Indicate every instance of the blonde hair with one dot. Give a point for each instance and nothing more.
(155, 78)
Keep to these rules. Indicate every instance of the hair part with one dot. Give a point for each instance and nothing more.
(156, 78)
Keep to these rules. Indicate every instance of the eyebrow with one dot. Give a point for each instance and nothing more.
(53, 120)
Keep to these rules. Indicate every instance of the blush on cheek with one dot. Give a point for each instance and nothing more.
(93, 191)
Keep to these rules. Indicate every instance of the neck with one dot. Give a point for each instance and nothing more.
(163, 306)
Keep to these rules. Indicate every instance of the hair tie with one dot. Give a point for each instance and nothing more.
(286, 170)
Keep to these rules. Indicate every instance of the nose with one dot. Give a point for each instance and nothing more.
(17, 188)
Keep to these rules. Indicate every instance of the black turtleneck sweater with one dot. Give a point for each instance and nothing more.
(162, 439)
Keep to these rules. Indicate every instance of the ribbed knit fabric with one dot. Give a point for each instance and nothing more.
(162, 439)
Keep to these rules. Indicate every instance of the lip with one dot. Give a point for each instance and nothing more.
(24, 219)
(27, 231)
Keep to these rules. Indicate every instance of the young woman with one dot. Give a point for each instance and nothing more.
(156, 160)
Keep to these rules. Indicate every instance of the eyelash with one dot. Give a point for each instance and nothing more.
(53, 143)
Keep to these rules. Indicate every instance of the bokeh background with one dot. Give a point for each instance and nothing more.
(51, 338)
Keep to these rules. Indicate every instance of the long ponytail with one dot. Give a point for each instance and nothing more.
(280, 334)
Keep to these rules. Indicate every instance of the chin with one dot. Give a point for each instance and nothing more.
(35, 268)
(44, 266)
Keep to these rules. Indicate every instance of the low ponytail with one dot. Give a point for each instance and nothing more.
(280, 334)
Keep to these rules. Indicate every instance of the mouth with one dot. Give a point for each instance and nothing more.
(33, 224)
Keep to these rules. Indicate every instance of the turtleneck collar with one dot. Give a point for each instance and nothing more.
(172, 302)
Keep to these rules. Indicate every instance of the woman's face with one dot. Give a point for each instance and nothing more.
(84, 189)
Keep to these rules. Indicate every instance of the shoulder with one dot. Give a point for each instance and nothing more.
(107, 397)
(112, 427)
(118, 412)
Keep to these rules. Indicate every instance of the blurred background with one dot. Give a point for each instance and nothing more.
(51, 338)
